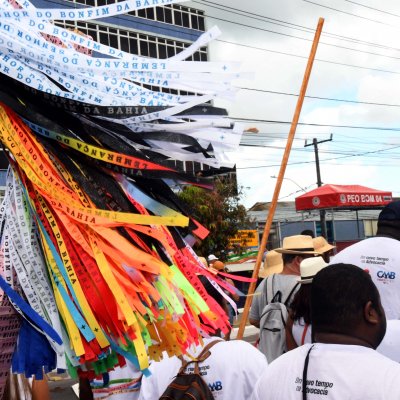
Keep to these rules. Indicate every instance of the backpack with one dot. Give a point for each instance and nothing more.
(272, 340)
(190, 386)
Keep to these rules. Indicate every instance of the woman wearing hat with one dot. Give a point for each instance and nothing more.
(298, 327)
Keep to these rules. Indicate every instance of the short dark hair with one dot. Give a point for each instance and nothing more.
(308, 232)
(301, 304)
(288, 258)
(338, 296)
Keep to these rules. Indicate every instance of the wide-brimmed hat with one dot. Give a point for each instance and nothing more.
(273, 264)
(309, 267)
(203, 261)
(321, 245)
(211, 257)
(297, 244)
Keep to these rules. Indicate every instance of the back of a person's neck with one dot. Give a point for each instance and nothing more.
(341, 338)
(289, 269)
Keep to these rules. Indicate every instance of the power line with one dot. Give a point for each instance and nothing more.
(321, 125)
(327, 159)
(301, 38)
(322, 98)
(304, 57)
(291, 25)
(372, 8)
(349, 13)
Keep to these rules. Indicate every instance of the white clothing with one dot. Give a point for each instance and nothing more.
(335, 372)
(380, 256)
(282, 283)
(298, 329)
(390, 346)
(124, 384)
(231, 371)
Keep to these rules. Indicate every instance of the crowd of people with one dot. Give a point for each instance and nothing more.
(328, 324)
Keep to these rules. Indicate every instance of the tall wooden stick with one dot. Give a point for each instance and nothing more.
(279, 180)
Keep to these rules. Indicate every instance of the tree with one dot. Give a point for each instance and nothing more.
(219, 211)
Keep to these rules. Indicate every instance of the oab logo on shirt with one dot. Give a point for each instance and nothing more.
(386, 277)
(215, 386)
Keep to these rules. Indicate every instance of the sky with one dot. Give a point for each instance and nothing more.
(358, 61)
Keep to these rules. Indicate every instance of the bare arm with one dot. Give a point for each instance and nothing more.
(290, 342)
(255, 322)
(40, 389)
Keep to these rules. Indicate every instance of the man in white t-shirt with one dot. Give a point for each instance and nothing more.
(231, 371)
(380, 256)
(390, 345)
(348, 324)
(294, 249)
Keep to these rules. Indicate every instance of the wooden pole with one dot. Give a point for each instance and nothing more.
(279, 180)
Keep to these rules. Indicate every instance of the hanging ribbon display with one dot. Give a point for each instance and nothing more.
(94, 252)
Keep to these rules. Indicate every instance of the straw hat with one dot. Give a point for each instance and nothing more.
(297, 244)
(309, 267)
(321, 245)
(203, 261)
(273, 264)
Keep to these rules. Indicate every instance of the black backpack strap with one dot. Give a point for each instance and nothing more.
(205, 353)
(291, 293)
(305, 370)
(272, 296)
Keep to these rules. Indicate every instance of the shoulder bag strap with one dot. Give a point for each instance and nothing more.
(291, 293)
(205, 353)
(269, 288)
(305, 370)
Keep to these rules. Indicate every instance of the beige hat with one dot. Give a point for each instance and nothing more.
(297, 244)
(309, 267)
(321, 245)
(203, 261)
(273, 264)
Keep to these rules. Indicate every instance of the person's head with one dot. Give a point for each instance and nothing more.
(323, 247)
(211, 259)
(389, 221)
(295, 249)
(301, 304)
(218, 265)
(346, 303)
(308, 232)
(294, 260)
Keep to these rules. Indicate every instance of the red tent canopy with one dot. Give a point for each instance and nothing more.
(342, 196)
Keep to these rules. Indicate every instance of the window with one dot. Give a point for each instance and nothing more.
(178, 18)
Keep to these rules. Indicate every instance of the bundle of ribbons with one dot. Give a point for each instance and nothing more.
(95, 244)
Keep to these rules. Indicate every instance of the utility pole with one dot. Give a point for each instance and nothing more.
(322, 213)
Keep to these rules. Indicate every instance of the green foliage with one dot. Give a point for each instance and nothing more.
(219, 211)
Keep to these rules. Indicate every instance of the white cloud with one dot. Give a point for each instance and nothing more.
(282, 73)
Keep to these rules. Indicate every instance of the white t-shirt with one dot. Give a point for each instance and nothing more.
(298, 329)
(381, 257)
(335, 372)
(124, 384)
(390, 346)
(231, 371)
(282, 283)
